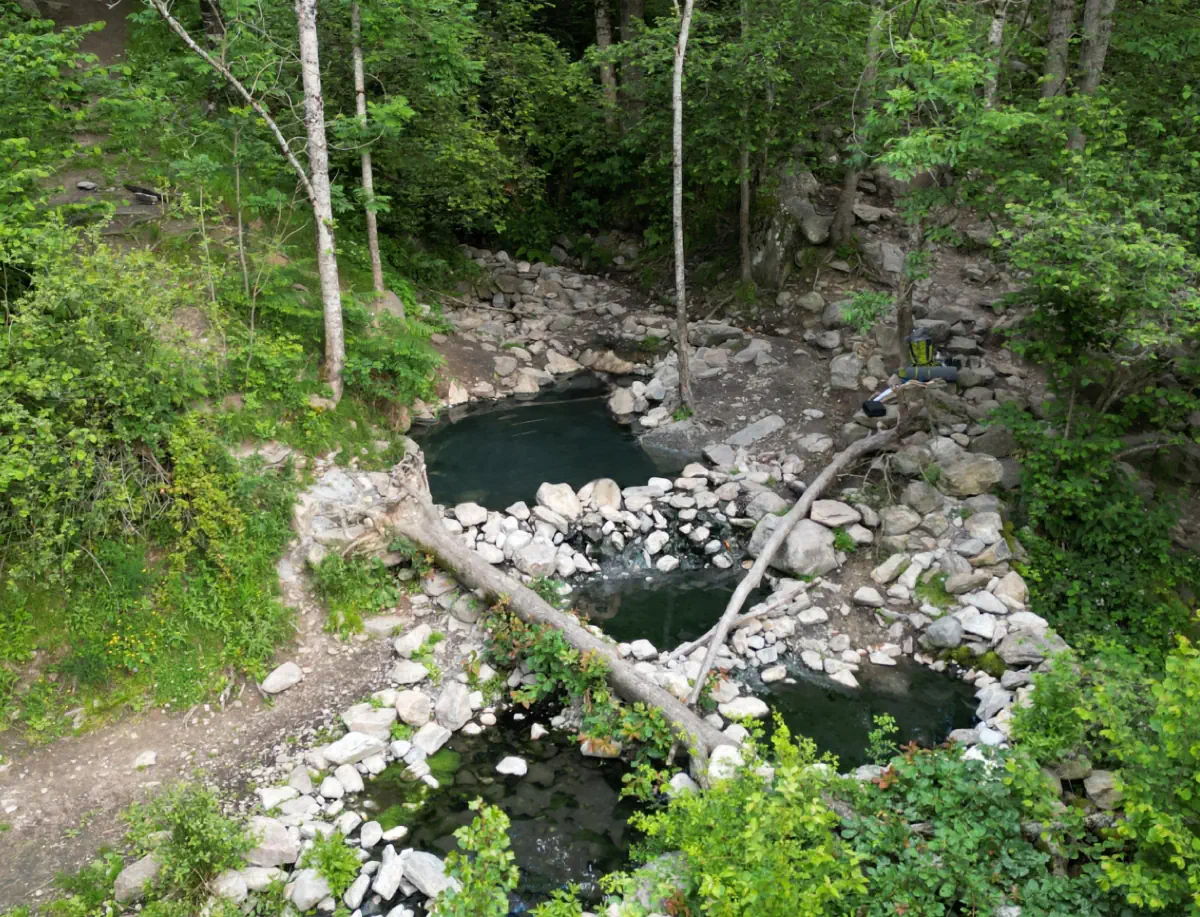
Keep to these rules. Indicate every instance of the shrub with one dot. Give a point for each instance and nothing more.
(200, 841)
(944, 835)
(484, 869)
(757, 848)
(334, 860)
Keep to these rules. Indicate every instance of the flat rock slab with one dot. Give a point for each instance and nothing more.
(760, 429)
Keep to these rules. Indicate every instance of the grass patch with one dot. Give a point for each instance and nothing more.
(842, 541)
(353, 587)
(933, 592)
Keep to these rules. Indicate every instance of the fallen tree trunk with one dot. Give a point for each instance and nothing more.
(782, 530)
(414, 517)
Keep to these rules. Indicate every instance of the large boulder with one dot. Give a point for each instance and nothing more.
(844, 371)
(370, 720)
(1029, 647)
(943, 634)
(807, 550)
(794, 221)
(308, 888)
(970, 474)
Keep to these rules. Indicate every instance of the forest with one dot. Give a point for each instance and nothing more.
(246, 221)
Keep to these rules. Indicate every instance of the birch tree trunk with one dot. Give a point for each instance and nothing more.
(368, 178)
(318, 165)
(996, 41)
(1058, 43)
(608, 76)
(864, 100)
(685, 382)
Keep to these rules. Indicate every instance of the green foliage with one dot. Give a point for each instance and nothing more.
(1116, 712)
(564, 902)
(865, 309)
(944, 835)
(353, 587)
(560, 668)
(91, 394)
(1101, 564)
(843, 542)
(549, 590)
(757, 847)
(881, 741)
(190, 836)
(334, 860)
(484, 868)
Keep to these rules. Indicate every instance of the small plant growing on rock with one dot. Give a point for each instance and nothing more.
(335, 862)
(549, 590)
(843, 542)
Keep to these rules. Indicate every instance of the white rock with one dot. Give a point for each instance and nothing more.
(352, 748)
(273, 797)
(745, 707)
(512, 766)
(470, 514)
(845, 677)
(285, 676)
(868, 597)
(724, 762)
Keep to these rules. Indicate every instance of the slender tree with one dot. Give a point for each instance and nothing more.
(608, 76)
(633, 12)
(1097, 32)
(368, 179)
(744, 170)
(318, 165)
(685, 382)
(1058, 46)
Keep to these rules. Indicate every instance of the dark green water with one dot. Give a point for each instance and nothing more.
(568, 821)
(926, 706)
(498, 455)
(667, 610)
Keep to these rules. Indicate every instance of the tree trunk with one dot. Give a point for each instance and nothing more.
(744, 216)
(1097, 31)
(996, 41)
(318, 164)
(842, 228)
(608, 77)
(744, 169)
(414, 518)
(864, 100)
(633, 12)
(752, 579)
(368, 178)
(685, 382)
(1058, 45)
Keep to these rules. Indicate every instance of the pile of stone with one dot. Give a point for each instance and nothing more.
(660, 525)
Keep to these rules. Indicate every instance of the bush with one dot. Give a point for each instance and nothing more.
(1101, 564)
(484, 869)
(91, 394)
(200, 841)
(757, 848)
(944, 835)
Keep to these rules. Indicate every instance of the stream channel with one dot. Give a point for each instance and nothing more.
(568, 821)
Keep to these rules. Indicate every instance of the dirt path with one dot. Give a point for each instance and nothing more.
(62, 801)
